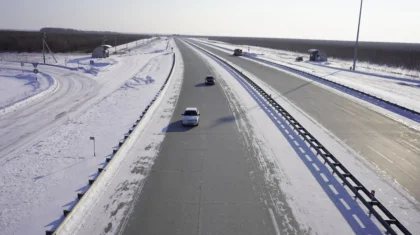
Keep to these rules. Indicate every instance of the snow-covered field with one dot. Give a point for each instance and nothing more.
(71, 59)
(41, 177)
(395, 85)
(320, 201)
(18, 85)
(110, 201)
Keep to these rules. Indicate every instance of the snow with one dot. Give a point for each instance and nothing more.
(41, 176)
(19, 96)
(70, 59)
(402, 91)
(319, 200)
(107, 205)
(18, 85)
(290, 56)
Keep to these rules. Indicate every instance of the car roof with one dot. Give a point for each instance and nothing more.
(209, 76)
(191, 109)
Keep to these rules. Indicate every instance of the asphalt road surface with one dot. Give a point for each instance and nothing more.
(389, 144)
(200, 182)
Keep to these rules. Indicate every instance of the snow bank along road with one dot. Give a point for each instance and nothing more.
(106, 204)
(316, 164)
(398, 90)
(19, 85)
(390, 145)
(208, 180)
(200, 182)
(223, 176)
(17, 128)
(45, 153)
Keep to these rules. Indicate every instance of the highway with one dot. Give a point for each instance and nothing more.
(204, 179)
(390, 145)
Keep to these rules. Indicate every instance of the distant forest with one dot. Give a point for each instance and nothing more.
(61, 40)
(406, 55)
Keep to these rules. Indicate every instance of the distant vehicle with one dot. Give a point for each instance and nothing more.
(210, 80)
(237, 52)
(317, 55)
(191, 117)
(299, 58)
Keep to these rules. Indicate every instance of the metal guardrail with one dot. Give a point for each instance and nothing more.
(375, 207)
(92, 182)
(329, 82)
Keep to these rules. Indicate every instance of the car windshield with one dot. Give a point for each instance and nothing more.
(209, 78)
(190, 113)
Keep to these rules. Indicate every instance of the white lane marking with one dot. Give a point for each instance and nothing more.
(273, 219)
(345, 204)
(380, 154)
(358, 221)
(414, 147)
(346, 110)
(324, 177)
(333, 189)
(315, 166)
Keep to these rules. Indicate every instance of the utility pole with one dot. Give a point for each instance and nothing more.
(115, 44)
(43, 45)
(357, 37)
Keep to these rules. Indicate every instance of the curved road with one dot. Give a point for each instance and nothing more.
(18, 128)
(203, 180)
(390, 145)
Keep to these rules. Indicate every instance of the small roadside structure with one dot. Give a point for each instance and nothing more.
(299, 59)
(101, 51)
(317, 55)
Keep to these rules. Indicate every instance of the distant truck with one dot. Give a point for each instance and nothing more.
(317, 55)
(237, 52)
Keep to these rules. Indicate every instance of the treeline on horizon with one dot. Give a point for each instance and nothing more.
(61, 40)
(406, 55)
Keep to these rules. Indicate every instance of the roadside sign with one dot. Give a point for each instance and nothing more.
(35, 65)
(36, 71)
(22, 64)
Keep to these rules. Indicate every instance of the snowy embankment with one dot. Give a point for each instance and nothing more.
(19, 86)
(320, 201)
(404, 90)
(108, 202)
(42, 178)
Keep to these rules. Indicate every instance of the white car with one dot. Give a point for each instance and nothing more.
(191, 117)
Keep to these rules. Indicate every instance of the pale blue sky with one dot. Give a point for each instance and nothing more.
(382, 20)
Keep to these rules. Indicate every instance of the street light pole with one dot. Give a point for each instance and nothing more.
(94, 152)
(357, 37)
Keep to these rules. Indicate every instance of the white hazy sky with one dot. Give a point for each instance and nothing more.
(382, 20)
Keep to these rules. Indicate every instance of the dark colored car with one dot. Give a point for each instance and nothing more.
(210, 80)
(237, 52)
